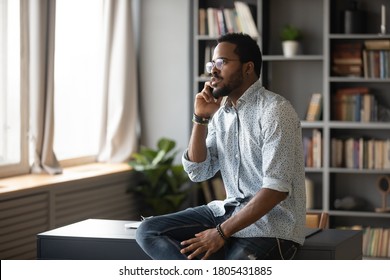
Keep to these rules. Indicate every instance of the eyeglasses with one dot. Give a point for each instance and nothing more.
(218, 63)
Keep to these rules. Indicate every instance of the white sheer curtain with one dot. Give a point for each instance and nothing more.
(38, 20)
(120, 112)
(119, 82)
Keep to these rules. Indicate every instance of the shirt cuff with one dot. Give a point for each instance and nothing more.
(276, 184)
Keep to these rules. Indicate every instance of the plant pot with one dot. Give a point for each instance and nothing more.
(290, 48)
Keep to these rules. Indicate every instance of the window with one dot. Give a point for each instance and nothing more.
(78, 94)
(10, 95)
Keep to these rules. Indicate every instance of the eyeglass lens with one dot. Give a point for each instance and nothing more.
(218, 63)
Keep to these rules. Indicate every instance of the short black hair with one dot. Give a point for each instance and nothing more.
(247, 48)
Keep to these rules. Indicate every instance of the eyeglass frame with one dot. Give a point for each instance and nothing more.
(211, 64)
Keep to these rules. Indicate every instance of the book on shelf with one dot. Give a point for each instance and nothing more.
(347, 53)
(370, 160)
(222, 29)
(218, 21)
(337, 153)
(349, 153)
(229, 16)
(347, 59)
(344, 70)
(308, 151)
(377, 44)
(313, 149)
(246, 19)
(379, 153)
(317, 148)
(386, 155)
(315, 107)
(212, 25)
(202, 21)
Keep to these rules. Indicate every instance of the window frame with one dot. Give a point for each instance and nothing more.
(22, 167)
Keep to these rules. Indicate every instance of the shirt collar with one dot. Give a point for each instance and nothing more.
(246, 97)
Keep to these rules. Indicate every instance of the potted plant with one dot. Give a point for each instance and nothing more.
(161, 184)
(290, 36)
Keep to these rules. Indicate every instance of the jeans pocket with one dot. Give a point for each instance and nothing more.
(287, 249)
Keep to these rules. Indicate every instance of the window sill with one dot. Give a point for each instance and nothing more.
(36, 181)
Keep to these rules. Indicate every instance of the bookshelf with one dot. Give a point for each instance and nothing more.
(354, 181)
(297, 78)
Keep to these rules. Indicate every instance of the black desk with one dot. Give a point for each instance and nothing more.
(95, 239)
(92, 239)
(332, 244)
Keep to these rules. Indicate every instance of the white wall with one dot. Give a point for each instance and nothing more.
(165, 71)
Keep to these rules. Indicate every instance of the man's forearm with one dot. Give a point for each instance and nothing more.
(260, 204)
(197, 151)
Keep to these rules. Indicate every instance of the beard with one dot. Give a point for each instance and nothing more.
(221, 92)
(229, 87)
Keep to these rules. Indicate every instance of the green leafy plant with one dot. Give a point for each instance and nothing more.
(163, 185)
(290, 33)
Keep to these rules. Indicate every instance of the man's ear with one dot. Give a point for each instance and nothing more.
(249, 67)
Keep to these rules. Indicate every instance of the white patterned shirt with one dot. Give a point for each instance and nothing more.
(257, 144)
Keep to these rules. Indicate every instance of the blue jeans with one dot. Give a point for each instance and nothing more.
(160, 237)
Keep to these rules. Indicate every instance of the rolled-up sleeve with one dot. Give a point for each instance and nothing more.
(280, 132)
(197, 171)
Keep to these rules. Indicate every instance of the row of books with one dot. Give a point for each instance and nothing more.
(312, 147)
(376, 241)
(360, 153)
(218, 21)
(376, 64)
(354, 104)
(369, 59)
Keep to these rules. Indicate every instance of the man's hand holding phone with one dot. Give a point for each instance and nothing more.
(205, 104)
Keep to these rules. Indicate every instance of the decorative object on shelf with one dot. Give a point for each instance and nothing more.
(383, 186)
(309, 185)
(163, 185)
(350, 203)
(290, 36)
(383, 20)
(354, 19)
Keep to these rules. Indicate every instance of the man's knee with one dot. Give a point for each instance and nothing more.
(143, 230)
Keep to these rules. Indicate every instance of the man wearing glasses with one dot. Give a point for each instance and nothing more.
(254, 140)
